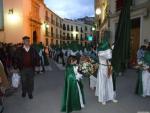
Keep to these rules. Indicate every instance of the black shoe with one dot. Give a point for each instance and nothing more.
(31, 96)
(23, 95)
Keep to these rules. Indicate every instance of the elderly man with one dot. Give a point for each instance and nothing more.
(27, 59)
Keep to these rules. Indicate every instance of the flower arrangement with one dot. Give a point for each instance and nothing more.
(87, 66)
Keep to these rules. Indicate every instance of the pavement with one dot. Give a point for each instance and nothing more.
(49, 89)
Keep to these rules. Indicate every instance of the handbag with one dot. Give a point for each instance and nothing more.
(15, 80)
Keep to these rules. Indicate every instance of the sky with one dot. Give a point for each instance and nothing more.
(71, 9)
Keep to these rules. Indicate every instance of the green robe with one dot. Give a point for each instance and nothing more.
(139, 85)
(71, 100)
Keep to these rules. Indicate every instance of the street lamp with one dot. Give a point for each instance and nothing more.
(98, 11)
(74, 34)
(47, 26)
(10, 11)
(93, 29)
(13, 17)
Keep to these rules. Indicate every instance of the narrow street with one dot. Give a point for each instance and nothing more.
(49, 88)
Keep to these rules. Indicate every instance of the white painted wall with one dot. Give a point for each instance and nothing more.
(112, 5)
(145, 30)
(13, 23)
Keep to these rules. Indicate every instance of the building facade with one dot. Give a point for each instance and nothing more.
(140, 22)
(34, 19)
(23, 17)
(75, 31)
(53, 27)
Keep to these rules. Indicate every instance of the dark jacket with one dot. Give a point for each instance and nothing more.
(19, 57)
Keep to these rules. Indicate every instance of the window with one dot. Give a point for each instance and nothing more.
(57, 22)
(85, 36)
(60, 24)
(46, 41)
(60, 33)
(68, 37)
(81, 38)
(46, 31)
(64, 35)
(52, 19)
(68, 28)
(71, 28)
(81, 30)
(64, 27)
(56, 42)
(52, 41)
(77, 28)
(71, 36)
(52, 32)
(46, 15)
(77, 37)
(56, 33)
(85, 28)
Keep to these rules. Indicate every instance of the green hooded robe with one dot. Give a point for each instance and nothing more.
(71, 99)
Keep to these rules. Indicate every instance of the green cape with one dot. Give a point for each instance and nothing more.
(71, 99)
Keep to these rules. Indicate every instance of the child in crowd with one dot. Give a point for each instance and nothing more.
(73, 98)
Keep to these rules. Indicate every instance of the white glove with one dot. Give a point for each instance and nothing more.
(77, 74)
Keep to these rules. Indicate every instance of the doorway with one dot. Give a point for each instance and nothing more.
(34, 37)
(135, 39)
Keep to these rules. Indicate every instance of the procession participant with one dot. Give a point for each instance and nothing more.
(104, 86)
(143, 82)
(73, 98)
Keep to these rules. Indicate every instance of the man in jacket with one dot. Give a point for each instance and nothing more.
(27, 58)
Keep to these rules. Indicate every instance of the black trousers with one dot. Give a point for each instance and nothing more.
(27, 77)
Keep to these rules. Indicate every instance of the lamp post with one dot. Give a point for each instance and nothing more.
(98, 13)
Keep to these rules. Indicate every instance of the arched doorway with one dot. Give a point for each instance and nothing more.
(34, 37)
